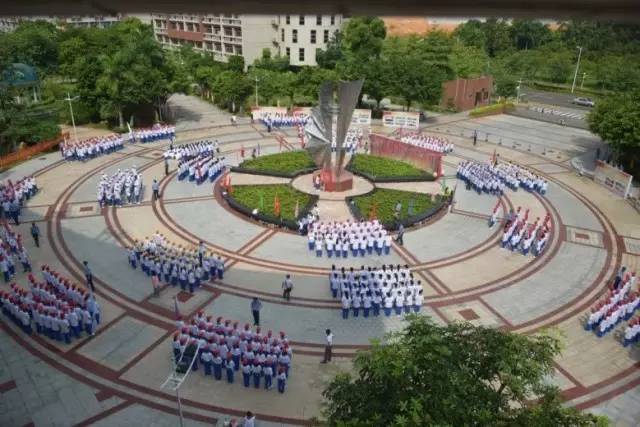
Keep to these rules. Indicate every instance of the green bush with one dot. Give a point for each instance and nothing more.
(385, 201)
(381, 168)
(492, 109)
(285, 164)
(252, 196)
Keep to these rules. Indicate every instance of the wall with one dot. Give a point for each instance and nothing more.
(461, 93)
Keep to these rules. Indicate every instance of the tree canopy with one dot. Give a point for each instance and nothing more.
(452, 375)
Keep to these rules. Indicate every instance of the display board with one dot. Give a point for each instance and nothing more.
(617, 181)
(361, 117)
(403, 119)
(258, 112)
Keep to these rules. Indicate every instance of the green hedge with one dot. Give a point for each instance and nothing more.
(385, 201)
(249, 197)
(492, 109)
(287, 164)
(382, 169)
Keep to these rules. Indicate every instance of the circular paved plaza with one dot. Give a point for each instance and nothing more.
(114, 377)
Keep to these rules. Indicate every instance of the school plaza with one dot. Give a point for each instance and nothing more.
(175, 258)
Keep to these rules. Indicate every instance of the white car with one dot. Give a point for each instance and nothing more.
(585, 102)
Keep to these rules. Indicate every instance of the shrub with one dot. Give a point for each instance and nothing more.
(385, 201)
(252, 196)
(286, 164)
(492, 109)
(379, 169)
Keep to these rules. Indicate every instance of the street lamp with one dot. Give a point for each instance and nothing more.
(257, 91)
(73, 121)
(575, 75)
(582, 83)
(518, 91)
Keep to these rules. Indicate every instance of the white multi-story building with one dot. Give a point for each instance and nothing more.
(9, 23)
(224, 35)
(301, 36)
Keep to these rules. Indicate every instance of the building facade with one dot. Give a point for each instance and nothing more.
(9, 23)
(301, 36)
(224, 35)
(466, 94)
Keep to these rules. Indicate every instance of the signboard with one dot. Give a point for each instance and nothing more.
(403, 119)
(361, 117)
(301, 111)
(617, 181)
(258, 112)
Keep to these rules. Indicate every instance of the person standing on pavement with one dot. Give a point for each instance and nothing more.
(156, 189)
(88, 275)
(399, 238)
(328, 346)
(249, 420)
(475, 136)
(166, 167)
(287, 286)
(256, 306)
(35, 233)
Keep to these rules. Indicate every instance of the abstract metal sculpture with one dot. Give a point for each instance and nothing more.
(320, 131)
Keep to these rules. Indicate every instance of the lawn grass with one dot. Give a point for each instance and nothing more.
(382, 168)
(385, 201)
(249, 196)
(284, 164)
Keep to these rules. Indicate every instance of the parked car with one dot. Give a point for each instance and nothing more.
(585, 102)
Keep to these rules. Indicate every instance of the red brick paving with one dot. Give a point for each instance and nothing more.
(468, 314)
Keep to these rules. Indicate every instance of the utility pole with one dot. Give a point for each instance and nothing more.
(582, 83)
(575, 75)
(73, 121)
(257, 91)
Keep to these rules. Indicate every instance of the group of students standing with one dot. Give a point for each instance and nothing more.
(494, 177)
(13, 195)
(155, 133)
(189, 151)
(202, 167)
(171, 264)
(387, 288)
(341, 238)
(125, 186)
(12, 251)
(58, 309)
(430, 142)
(223, 346)
(90, 148)
(518, 235)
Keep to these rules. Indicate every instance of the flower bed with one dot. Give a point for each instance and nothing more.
(382, 169)
(289, 164)
(385, 200)
(247, 198)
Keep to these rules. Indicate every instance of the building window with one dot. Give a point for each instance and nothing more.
(333, 20)
(282, 34)
(287, 19)
(301, 20)
(318, 19)
(301, 54)
(228, 48)
(227, 31)
(238, 50)
(326, 36)
(313, 36)
(238, 32)
(294, 36)
(288, 52)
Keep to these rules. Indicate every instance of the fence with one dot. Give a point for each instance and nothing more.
(28, 152)
(422, 158)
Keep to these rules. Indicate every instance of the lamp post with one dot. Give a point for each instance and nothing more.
(73, 121)
(575, 75)
(518, 91)
(582, 83)
(257, 91)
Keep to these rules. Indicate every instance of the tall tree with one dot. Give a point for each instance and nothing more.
(529, 34)
(235, 63)
(497, 35)
(363, 37)
(32, 43)
(231, 88)
(332, 53)
(452, 375)
(471, 33)
(269, 62)
(616, 120)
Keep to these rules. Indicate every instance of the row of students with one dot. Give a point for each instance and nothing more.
(189, 151)
(632, 332)
(430, 142)
(518, 235)
(12, 252)
(611, 302)
(201, 168)
(13, 195)
(283, 120)
(91, 148)
(224, 346)
(358, 237)
(54, 312)
(124, 186)
(493, 178)
(175, 265)
(387, 288)
(155, 133)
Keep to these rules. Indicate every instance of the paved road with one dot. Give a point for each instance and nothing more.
(551, 98)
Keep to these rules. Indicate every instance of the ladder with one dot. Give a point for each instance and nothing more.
(181, 367)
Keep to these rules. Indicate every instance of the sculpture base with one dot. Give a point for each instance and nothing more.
(332, 182)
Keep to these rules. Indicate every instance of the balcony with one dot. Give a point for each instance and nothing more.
(228, 39)
(226, 21)
(213, 37)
